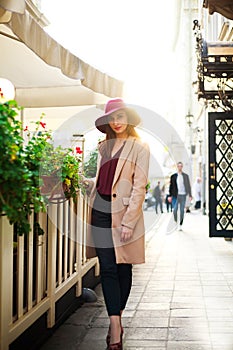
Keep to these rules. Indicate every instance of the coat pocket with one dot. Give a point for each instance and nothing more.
(126, 200)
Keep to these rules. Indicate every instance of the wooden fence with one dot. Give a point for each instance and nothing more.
(37, 270)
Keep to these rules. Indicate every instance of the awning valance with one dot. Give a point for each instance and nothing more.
(224, 7)
(31, 59)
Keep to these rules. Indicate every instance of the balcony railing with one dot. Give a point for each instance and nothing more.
(37, 270)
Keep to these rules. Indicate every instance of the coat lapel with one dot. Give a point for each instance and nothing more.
(123, 157)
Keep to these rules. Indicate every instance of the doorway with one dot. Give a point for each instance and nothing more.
(220, 174)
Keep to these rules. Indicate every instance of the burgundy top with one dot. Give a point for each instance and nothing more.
(107, 172)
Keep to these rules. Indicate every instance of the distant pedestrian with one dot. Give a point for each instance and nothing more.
(179, 189)
(197, 193)
(168, 200)
(157, 194)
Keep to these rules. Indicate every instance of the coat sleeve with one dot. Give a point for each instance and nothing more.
(140, 180)
(171, 186)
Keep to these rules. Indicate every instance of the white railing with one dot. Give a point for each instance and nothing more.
(37, 270)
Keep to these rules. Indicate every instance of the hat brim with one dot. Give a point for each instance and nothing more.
(133, 119)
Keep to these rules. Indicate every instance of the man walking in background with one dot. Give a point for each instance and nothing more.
(158, 198)
(179, 189)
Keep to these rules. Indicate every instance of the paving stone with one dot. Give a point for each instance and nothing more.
(146, 333)
(156, 322)
(194, 322)
(189, 292)
(69, 335)
(152, 313)
(188, 334)
(131, 306)
(180, 305)
(144, 344)
(219, 313)
(224, 339)
(129, 313)
(187, 346)
(158, 293)
(91, 345)
(155, 299)
(83, 316)
(95, 334)
(153, 306)
(189, 300)
(220, 323)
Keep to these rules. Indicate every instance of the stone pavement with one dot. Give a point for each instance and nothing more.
(181, 299)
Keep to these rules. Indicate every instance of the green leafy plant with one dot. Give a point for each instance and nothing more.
(148, 186)
(23, 163)
(19, 183)
(90, 165)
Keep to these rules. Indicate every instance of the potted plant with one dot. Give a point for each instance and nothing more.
(58, 168)
(60, 172)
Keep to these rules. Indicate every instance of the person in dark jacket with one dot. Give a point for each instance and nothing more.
(157, 194)
(179, 189)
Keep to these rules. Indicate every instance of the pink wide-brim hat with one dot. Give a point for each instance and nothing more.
(113, 106)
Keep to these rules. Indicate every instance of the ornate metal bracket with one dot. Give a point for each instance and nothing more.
(214, 70)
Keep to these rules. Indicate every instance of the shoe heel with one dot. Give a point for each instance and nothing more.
(116, 346)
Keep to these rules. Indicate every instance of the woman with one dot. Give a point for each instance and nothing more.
(116, 199)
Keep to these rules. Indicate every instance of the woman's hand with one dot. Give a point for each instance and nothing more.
(126, 234)
(86, 184)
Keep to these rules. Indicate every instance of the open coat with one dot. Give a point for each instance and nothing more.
(128, 194)
(173, 189)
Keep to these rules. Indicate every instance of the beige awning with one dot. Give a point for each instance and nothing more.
(44, 72)
(224, 7)
(18, 6)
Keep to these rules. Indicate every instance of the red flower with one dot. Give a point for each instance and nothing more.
(43, 124)
(26, 129)
(78, 150)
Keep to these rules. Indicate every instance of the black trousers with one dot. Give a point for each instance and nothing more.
(116, 279)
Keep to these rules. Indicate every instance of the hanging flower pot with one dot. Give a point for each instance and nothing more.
(54, 188)
(51, 184)
(58, 167)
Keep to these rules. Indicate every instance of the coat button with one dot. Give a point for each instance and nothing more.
(114, 195)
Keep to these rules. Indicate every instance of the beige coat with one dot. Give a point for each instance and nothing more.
(128, 194)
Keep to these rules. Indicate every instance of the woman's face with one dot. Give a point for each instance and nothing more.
(118, 121)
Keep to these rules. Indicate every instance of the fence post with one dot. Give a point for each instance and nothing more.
(79, 232)
(52, 248)
(6, 280)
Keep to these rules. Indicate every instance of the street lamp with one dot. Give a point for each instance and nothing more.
(189, 119)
